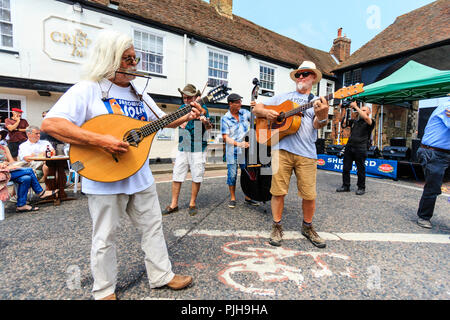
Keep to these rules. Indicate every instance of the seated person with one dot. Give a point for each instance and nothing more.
(25, 178)
(34, 147)
(45, 136)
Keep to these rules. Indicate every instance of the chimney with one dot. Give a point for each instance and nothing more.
(223, 7)
(341, 47)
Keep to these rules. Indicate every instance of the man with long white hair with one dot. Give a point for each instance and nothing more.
(103, 91)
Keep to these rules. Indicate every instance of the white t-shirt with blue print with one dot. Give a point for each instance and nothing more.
(83, 101)
(303, 141)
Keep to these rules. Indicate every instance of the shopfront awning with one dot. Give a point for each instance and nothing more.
(412, 82)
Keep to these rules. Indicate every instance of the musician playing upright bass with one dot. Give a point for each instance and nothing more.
(296, 152)
(108, 89)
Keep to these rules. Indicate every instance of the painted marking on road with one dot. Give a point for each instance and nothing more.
(335, 236)
(204, 178)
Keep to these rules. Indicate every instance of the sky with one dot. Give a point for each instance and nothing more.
(315, 23)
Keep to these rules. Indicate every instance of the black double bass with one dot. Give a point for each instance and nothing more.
(256, 176)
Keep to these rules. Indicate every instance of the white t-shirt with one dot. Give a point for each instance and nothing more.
(303, 141)
(27, 148)
(83, 101)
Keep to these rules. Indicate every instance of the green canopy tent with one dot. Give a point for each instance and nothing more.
(412, 82)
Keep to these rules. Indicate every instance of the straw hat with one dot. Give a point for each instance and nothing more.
(190, 90)
(308, 66)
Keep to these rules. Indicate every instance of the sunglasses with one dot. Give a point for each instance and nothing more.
(303, 74)
(130, 60)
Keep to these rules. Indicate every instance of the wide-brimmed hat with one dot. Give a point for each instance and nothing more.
(17, 110)
(190, 90)
(308, 66)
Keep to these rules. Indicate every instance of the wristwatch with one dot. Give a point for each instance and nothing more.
(323, 120)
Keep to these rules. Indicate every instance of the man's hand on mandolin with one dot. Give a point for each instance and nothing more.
(113, 145)
(196, 111)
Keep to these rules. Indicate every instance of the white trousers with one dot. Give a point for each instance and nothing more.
(145, 213)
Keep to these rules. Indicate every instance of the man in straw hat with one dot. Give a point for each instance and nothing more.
(107, 89)
(191, 155)
(297, 152)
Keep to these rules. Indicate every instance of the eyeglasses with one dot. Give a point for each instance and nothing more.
(130, 60)
(303, 74)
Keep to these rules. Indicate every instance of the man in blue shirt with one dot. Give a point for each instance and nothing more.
(191, 153)
(235, 125)
(434, 156)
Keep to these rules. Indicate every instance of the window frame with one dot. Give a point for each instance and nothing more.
(220, 80)
(14, 26)
(139, 51)
(265, 91)
(23, 104)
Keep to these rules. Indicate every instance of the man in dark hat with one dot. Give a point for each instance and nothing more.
(191, 155)
(17, 131)
(235, 125)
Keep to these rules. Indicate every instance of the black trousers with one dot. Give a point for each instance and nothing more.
(358, 155)
(434, 164)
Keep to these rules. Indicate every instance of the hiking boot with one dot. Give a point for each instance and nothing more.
(276, 236)
(232, 204)
(343, 189)
(311, 235)
(424, 223)
(169, 210)
(251, 202)
(179, 282)
(360, 191)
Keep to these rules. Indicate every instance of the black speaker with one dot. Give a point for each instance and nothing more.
(320, 146)
(415, 144)
(396, 153)
(398, 142)
(373, 152)
(334, 149)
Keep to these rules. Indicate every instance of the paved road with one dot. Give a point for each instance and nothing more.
(374, 248)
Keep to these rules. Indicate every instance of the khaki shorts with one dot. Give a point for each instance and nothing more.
(283, 163)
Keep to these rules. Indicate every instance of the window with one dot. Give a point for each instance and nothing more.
(267, 80)
(6, 27)
(165, 134)
(330, 90)
(7, 103)
(356, 76)
(315, 89)
(217, 69)
(149, 48)
(347, 78)
(215, 132)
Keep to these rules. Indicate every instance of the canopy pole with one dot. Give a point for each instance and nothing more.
(380, 129)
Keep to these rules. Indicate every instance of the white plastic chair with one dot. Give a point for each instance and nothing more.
(71, 171)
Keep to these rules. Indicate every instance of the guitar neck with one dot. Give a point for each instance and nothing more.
(306, 106)
(167, 119)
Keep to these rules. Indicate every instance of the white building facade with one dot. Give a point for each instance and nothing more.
(43, 48)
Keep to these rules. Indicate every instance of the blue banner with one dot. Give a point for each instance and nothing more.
(378, 168)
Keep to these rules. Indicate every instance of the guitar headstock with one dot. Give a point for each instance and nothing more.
(349, 91)
(217, 94)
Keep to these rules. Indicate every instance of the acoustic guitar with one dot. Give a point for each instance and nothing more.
(289, 119)
(96, 164)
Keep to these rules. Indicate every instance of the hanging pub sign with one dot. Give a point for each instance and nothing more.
(68, 40)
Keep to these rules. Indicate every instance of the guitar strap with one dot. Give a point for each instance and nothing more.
(115, 107)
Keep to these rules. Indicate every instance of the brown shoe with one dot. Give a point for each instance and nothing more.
(179, 282)
(169, 210)
(112, 296)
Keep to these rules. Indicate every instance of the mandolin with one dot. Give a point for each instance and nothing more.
(96, 164)
(289, 121)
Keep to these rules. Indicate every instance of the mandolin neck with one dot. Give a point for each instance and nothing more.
(167, 119)
(306, 106)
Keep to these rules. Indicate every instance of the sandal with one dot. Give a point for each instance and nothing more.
(169, 210)
(32, 209)
(41, 197)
